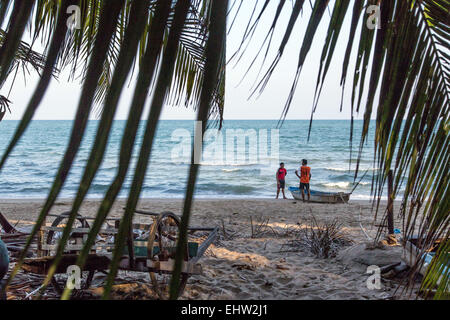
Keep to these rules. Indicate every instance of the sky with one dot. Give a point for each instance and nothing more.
(62, 96)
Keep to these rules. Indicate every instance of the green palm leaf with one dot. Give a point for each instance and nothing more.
(409, 87)
(401, 76)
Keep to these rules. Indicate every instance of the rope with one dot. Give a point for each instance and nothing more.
(361, 226)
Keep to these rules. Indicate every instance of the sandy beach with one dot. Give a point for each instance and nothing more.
(258, 264)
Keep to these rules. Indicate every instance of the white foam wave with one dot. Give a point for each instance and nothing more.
(337, 169)
(342, 185)
(340, 169)
(230, 170)
(230, 164)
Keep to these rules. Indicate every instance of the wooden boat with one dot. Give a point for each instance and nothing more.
(321, 197)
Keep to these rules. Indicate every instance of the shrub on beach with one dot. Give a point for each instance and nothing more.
(324, 240)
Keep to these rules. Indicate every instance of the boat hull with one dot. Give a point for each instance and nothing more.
(321, 197)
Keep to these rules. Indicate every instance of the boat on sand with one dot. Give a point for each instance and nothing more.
(321, 197)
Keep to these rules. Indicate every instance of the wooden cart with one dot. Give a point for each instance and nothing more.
(151, 250)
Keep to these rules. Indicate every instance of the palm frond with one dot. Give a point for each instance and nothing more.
(160, 94)
(110, 12)
(147, 70)
(4, 106)
(401, 71)
(131, 38)
(213, 66)
(18, 19)
(48, 71)
(401, 76)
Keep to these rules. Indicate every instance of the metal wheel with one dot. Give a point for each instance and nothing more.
(59, 280)
(164, 235)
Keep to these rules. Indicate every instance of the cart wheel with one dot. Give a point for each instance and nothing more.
(164, 234)
(59, 280)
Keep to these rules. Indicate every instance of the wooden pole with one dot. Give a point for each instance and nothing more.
(390, 208)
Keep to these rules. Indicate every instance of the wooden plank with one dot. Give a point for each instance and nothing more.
(167, 267)
(390, 207)
(142, 226)
(146, 213)
(19, 236)
(205, 244)
(76, 247)
(80, 230)
(8, 227)
(85, 218)
(194, 229)
(42, 265)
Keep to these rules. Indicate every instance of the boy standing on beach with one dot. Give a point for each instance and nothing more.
(305, 176)
(280, 175)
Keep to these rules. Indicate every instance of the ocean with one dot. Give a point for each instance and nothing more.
(240, 162)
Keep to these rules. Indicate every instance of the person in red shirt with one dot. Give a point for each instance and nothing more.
(281, 175)
(305, 177)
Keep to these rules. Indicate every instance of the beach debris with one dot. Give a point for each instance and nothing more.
(27, 284)
(13, 237)
(394, 270)
(261, 228)
(126, 291)
(5, 226)
(322, 239)
(390, 267)
(390, 240)
(244, 266)
(369, 254)
(228, 233)
(361, 226)
(246, 263)
(281, 267)
(32, 293)
(289, 231)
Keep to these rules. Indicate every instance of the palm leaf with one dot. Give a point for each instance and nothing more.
(125, 59)
(213, 66)
(48, 71)
(111, 12)
(408, 85)
(159, 96)
(147, 70)
(17, 23)
(401, 75)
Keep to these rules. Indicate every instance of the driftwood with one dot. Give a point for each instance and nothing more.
(6, 226)
(14, 238)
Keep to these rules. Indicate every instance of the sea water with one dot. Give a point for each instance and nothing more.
(240, 164)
